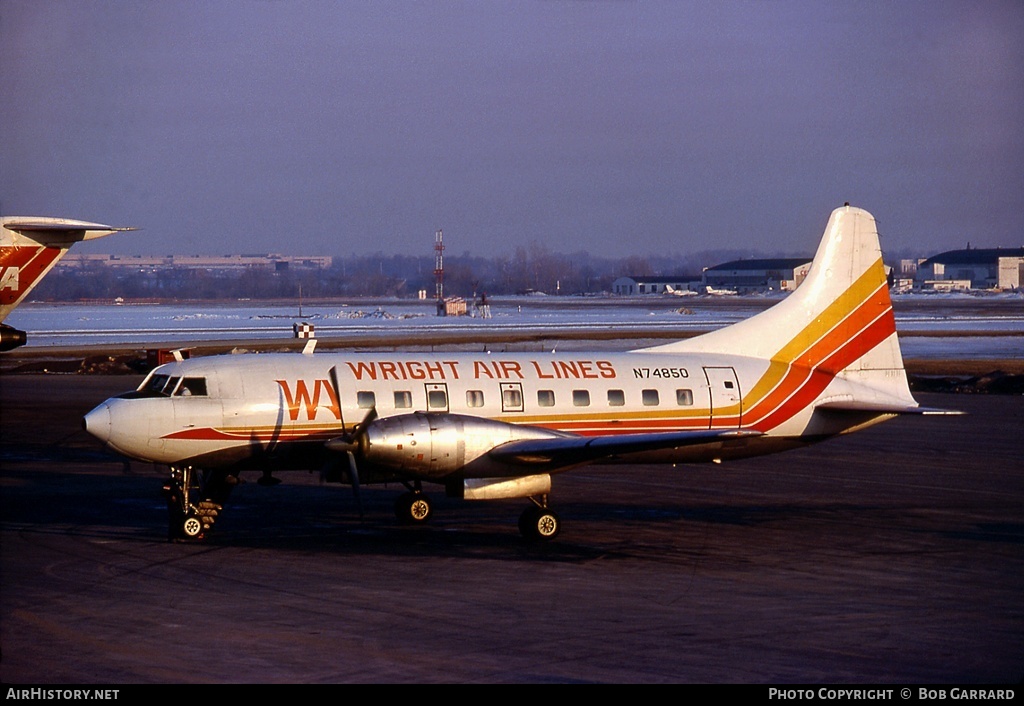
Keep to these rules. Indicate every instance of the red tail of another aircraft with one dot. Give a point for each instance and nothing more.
(29, 248)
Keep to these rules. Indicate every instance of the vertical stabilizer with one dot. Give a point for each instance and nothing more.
(839, 322)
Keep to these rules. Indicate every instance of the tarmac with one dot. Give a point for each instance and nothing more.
(891, 556)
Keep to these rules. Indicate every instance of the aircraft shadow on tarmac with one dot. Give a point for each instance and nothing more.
(91, 494)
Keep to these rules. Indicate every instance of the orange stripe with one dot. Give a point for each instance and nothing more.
(873, 309)
(875, 333)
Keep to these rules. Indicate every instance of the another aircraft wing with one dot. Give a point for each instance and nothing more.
(574, 450)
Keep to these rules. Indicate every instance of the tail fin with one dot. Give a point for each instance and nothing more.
(30, 247)
(838, 323)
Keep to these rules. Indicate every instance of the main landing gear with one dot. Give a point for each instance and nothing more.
(194, 501)
(538, 523)
(413, 507)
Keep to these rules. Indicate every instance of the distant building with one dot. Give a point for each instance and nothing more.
(946, 285)
(763, 275)
(655, 285)
(982, 268)
(908, 268)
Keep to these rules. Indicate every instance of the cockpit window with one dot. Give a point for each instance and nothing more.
(191, 387)
(155, 384)
(161, 385)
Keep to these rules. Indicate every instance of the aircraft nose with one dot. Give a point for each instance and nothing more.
(97, 422)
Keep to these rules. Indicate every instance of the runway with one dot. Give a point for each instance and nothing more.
(894, 555)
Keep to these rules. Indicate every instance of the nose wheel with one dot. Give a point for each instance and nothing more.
(192, 527)
(194, 500)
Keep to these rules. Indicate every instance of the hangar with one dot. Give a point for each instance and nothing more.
(758, 275)
(740, 276)
(655, 285)
(984, 268)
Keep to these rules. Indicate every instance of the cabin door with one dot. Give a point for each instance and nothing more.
(726, 400)
(511, 397)
(437, 397)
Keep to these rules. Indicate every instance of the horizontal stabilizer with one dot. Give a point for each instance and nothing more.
(41, 226)
(882, 408)
(59, 231)
(583, 449)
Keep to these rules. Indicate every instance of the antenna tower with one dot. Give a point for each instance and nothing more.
(439, 271)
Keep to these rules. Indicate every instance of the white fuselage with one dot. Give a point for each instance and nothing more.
(230, 410)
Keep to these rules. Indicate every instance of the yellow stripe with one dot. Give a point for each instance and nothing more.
(844, 304)
(834, 313)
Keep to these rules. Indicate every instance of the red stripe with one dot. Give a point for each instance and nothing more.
(209, 434)
(18, 255)
(870, 314)
(820, 378)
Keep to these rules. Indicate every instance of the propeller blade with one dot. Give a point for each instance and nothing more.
(349, 442)
(354, 477)
(337, 395)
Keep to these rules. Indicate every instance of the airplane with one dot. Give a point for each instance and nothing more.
(670, 290)
(29, 248)
(712, 291)
(823, 362)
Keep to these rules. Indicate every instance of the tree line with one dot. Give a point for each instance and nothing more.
(532, 268)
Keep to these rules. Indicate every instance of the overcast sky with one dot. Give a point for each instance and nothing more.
(619, 128)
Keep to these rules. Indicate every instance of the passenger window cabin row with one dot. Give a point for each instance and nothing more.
(512, 398)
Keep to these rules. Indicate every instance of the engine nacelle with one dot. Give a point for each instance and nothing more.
(11, 337)
(500, 488)
(437, 445)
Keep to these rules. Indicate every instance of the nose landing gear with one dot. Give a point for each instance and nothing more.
(194, 501)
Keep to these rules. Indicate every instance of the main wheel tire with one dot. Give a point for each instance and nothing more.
(539, 524)
(419, 509)
(412, 508)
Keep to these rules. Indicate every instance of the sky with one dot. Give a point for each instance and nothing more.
(620, 128)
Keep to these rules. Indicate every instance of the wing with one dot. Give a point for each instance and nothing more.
(574, 450)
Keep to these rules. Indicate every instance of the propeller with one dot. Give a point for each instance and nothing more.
(349, 442)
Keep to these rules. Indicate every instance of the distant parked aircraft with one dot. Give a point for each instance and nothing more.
(708, 289)
(669, 289)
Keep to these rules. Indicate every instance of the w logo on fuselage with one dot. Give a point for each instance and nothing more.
(297, 397)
